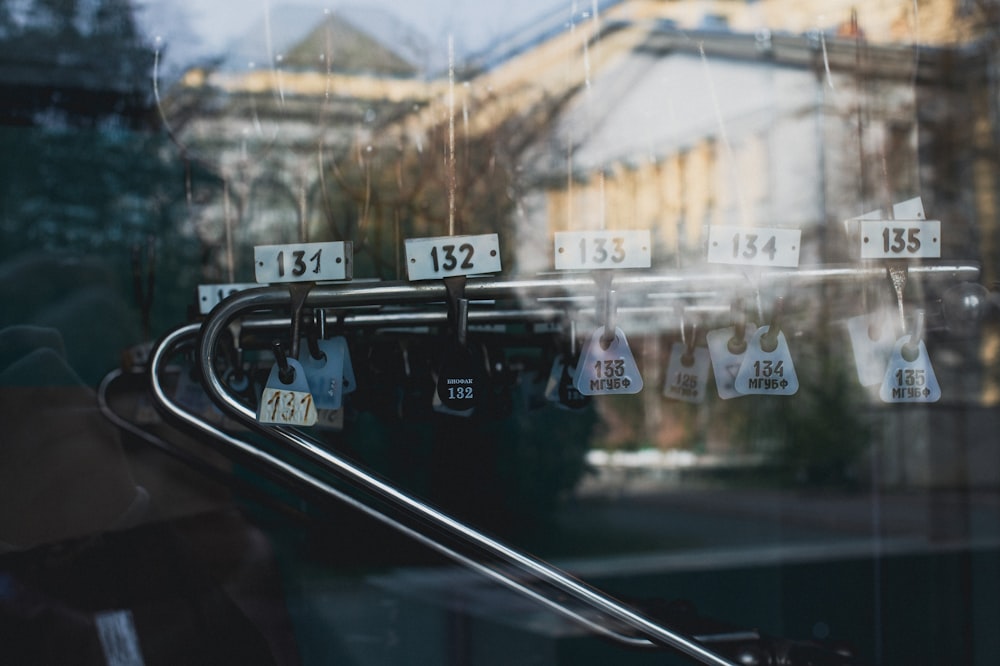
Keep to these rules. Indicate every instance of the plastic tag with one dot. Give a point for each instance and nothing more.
(287, 404)
(726, 361)
(871, 354)
(460, 383)
(610, 371)
(909, 380)
(687, 374)
(325, 375)
(440, 407)
(767, 372)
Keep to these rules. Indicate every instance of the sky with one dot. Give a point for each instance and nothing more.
(199, 28)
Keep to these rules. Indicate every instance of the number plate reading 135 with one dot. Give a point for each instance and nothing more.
(754, 246)
(579, 250)
(900, 239)
(444, 256)
(303, 262)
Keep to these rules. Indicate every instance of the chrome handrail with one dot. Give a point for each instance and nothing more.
(348, 295)
(162, 353)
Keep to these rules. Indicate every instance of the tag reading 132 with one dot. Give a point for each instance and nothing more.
(900, 239)
(579, 250)
(754, 246)
(444, 256)
(303, 262)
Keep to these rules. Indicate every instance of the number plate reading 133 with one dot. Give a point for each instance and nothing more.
(754, 246)
(444, 256)
(579, 250)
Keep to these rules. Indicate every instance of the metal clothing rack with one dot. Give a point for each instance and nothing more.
(539, 299)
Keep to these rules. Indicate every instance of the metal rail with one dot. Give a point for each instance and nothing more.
(527, 292)
(234, 445)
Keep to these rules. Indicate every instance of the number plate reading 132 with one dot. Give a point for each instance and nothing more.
(444, 256)
(578, 250)
(900, 239)
(754, 246)
(303, 262)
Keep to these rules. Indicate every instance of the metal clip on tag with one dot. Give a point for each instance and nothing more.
(909, 376)
(607, 366)
(460, 383)
(687, 370)
(767, 367)
(727, 347)
(287, 399)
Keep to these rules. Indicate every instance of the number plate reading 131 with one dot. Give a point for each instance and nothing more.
(444, 256)
(900, 239)
(578, 250)
(303, 262)
(754, 246)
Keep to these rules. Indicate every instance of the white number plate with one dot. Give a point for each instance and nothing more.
(577, 250)
(900, 239)
(303, 262)
(444, 256)
(754, 247)
(210, 295)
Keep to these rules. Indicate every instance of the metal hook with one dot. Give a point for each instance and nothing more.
(312, 339)
(610, 315)
(688, 341)
(298, 292)
(286, 373)
(898, 274)
(911, 349)
(769, 341)
(738, 343)
(458, 307)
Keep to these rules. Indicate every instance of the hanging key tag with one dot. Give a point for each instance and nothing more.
(767, 367)
(461, 381)
(286, 399)
(909, 376)
(687, 373)
(607, 366)
(324, 370)
(350, 383)
(726, 347)
(872, 339)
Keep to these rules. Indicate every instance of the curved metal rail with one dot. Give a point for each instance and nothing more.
(348, 295)
(158, 361)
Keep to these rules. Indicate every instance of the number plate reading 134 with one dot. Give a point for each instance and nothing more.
(303, 262)
(754, 246)
(444, 256)
(578, 250)
(900, 239)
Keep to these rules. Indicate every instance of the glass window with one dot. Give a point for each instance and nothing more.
(540, 333)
